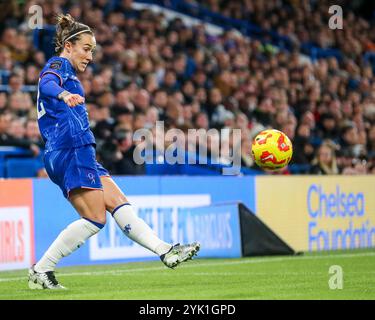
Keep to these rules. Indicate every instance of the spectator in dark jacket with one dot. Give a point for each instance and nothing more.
(303, 149)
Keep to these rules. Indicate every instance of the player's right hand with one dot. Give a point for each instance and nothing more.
(73, 99)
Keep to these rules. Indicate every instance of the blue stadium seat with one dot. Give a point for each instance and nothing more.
(299, 168)
(198, 170)
(21, 167)
(2, 168)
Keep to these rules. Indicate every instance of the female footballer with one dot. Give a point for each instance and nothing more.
(71, 164)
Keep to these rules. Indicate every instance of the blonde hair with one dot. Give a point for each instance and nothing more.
(332, 168)
(68, 29)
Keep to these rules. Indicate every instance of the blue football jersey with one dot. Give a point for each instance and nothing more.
(62, 126)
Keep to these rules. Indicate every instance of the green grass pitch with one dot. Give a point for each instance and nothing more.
(278, 277)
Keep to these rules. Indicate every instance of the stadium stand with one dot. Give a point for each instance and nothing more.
(263, 69)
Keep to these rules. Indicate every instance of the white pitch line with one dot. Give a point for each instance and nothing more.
(205, 264)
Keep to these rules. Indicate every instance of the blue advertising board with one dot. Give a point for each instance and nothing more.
(216, 228)
(167, 204)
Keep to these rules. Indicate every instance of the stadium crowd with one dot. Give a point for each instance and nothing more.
(147, 68)
(306, 21)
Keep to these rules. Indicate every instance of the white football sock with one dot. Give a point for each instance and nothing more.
(67, 241)
(137, 230)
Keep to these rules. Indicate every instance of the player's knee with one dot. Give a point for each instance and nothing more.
(101, 219)
(112, 203)
(100, 216)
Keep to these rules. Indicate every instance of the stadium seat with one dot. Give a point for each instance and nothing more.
(21, 168)
(299, 168)
(2, 169)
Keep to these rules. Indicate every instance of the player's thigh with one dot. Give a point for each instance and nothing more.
(113, 196)
(89, 204)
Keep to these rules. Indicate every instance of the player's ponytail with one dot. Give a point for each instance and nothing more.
(67, 29)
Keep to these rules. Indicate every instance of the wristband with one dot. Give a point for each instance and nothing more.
(63, 94)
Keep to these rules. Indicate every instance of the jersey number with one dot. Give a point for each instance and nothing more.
(39, 106)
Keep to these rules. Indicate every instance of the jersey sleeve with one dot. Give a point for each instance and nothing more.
(57, 68)
(49, 85)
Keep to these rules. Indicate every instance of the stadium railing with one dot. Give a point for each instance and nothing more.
(24, 88)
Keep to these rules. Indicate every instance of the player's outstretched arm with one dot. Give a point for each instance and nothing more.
(71, 99)
(50, 86)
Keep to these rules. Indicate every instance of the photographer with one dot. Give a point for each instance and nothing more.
(117, 154)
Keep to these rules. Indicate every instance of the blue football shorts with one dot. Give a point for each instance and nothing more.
(74, 168)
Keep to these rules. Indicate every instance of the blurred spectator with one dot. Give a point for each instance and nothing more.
(302, 147)
(247, 160)
(117, 154)
(17, 129)
(3, 101)
(142, 100)
(350, 141)
(139, 120)
(371, 143)
(215, 107)
(325, 161)
(328, 128)
(169, 82)
(12, 133)
(152, 115)
(20, 103)
(15, 82)
(356, 167)
(32, 133)
(32, 75)
(6, 62)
